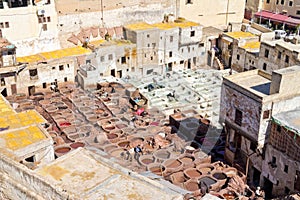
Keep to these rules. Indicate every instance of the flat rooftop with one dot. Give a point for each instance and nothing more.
(57, 54)
(87, 176)
(252, 46)
(287, 45)
(254, 81)
(21, 138)
(290, 119)
(162, 26)
(239, 34)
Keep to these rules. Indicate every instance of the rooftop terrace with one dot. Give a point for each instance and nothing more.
(162, 26)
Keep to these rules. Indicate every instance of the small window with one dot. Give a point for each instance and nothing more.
(282, 2)
(87, 61)
(123, 60)
(61, 67)
(170, 54)
(68, 65)
(148, 45)
(266, 114)
(189, 2)
(238, 117)
(151, 58)
(279, 55)
(33, 72)
(181, 62)
(298, 12)
(287, 58)
(171, 38)
(153, 45)
(48, 19)
(110, 57)
(277, 2)
(6, 24)
(290, 3)
(238, 57)
(278, 128)
(286, 169)
(266, 53)
(44, 85)
(65, 79)
(44, 27)
(102, 58)
(268, 1)
(148, 35)
(273, 160)
(192, 33)
(253, 146)
(1, 25)
(265, 66)
(145, 55)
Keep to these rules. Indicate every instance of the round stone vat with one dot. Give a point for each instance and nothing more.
(145, 160)
(156, 168)
(192, 173)
(76, 145)
(161, 155)
(62, 150)
(205, 168)
(124, 143)
(191, 185)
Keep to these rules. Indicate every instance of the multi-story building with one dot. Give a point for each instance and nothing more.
(164, 46)
(282, 156)
(37, 21)
(252, 7)
(248, 100)
(216, 13)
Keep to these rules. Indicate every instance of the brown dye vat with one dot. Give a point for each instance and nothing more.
(112, 136)
(77, 145)
(44, 102)
(62, 150)
(187, 159)
(177, 178)
(191, 185)
(158, 170)
(116, 152)
(99, 111)
(108, 127)
(124, 143)
(147, 161)
(121, 126)
(192, 173)
(172, 163)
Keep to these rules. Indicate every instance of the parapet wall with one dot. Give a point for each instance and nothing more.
(18, 183)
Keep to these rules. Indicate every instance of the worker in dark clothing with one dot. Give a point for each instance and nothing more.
(137, 152)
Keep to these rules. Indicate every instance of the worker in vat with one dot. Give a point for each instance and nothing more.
(137, 152)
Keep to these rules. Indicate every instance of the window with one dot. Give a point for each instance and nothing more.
(44, 27)
(238, 57)
(266, 53)
(181, 62)
(279, 55)
(268, 1)
(6, 24)
(33, 73)
(153, 45)
(148, 45)
(278, 129)
(170, 54)
(44, 85)
(61, 67)
(102, 58)
(68, 65)
(189, 2)
(148, 35)
(287, 58)
(123, 60)
(192, 33)
(65, 79)
(87, 61)
(265, 66)
(277, 2)
(238, 117)
(2, 82)
(266, 114)
(53, 68)
(282, 2)
(171, 38)
(110, 57)
(290, 3)
(286, 169)
(253, 146)
(273, 160)
(298, 12)
(48, 19)
(151, 58)
(1, 25)
(189, 49)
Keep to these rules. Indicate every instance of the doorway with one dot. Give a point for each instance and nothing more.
(113, 72)
(268, 188)
(13, 89)
(170, 66)
(31, 90)
(256, 177)
(4, 92)
(189, 64)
